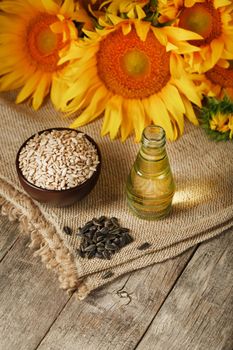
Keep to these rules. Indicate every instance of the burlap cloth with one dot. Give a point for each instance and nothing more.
(202, 208)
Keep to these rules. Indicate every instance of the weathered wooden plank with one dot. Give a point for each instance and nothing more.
(30, 298)
(8, 235)
(116, 316)
(198, 314)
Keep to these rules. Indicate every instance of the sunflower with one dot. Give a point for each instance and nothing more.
(32, 34)
(216, 118)
(218, 81)
(134, 73)
(212, 19)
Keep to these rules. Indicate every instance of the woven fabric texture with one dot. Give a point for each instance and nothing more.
(202, 207)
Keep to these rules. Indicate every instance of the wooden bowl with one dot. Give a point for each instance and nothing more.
(59, 197)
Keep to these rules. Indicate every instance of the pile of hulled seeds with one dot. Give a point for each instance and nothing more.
(102, 237)
(58, 159)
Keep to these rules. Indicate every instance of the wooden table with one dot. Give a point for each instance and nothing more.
(183, 303)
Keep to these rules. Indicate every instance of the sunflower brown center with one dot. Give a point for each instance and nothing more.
(135, 63)
(131, 67)
(221, 76)
(42, 44)
(202, 19)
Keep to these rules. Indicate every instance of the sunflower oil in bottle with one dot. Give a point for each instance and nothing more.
(150, 186)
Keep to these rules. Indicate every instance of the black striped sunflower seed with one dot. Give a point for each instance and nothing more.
(102, 237)
(90, 248)
(67, 230)
(144, 246)
(107, 274)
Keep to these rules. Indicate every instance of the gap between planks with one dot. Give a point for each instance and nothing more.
(30, 297)
(96, 317)
(9, 235)
(150, 287)
(178, 277)
(198, 313)
(24, 256)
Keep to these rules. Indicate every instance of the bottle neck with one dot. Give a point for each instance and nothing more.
(152, 157)
(152, 153)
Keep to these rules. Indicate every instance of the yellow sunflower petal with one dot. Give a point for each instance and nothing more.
(50, 6)
(28, 88)
(58, 88)
(140, 13)
(217, 46)
(57, 27)
(189, 112)
(36, 5)
(41, 91)
(67, 8)
(95, 108)
(112, 117)
(6, 64)
(142, 29)
(180, 34)
(176, 67)
(135, 108)
(6, 38)
(14, 7)
(126, 28)
(176, 131)
(221, 3)
(160, 35)
(81, 85)
(10, 24)
(157, 112)
(174, 104)
(114, 19)
(126, 124)
(12, 80)
(187, 87)
(80, 102)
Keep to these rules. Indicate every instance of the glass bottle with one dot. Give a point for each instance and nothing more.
(150, 186)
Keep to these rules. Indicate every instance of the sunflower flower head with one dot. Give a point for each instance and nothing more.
(212, 19)
(133, 73)
(218, 81)
(32, 35)
(219, 122)
(216, 118)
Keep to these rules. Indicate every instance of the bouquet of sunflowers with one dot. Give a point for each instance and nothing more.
(133, 62)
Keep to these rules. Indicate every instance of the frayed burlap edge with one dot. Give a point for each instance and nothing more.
(44, 239)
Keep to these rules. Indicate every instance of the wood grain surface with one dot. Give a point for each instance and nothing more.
(8, 235)
(30, 299)
(198, 313)
(181, 304)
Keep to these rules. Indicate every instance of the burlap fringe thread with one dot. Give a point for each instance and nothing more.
(46, 243)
